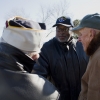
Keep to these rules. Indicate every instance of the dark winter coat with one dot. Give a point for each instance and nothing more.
(16, 81)
(65, 63)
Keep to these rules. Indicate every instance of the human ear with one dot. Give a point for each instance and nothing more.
(92, 33)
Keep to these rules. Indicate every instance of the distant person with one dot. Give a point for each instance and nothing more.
(63, 60)
(89, 34)
(20, 38)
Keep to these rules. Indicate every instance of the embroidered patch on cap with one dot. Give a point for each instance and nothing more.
(61, 19)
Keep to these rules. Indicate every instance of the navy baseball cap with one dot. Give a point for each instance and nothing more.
(66, 21)
(25, 23)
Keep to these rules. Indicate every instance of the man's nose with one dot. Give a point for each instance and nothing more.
(62, 32)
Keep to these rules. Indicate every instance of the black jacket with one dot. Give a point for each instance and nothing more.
(16, 81)
(65, 63)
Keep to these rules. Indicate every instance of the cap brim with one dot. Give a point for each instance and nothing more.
(62, 24)
(76, 29)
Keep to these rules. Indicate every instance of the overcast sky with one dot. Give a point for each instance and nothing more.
(77, 8)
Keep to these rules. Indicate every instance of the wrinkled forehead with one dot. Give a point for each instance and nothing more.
(79, 31)
(84, 31)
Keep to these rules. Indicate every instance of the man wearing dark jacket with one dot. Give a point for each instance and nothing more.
(20, 38)
(63, 60)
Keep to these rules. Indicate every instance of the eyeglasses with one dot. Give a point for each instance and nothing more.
(62, 29)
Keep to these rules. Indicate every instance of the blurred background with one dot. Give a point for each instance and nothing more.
(47, 11)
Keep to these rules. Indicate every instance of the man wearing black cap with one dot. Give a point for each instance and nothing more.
(63, 60)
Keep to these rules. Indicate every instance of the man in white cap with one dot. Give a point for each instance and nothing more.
(20, 38)
(89, 34)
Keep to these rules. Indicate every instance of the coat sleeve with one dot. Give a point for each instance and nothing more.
(42, 65)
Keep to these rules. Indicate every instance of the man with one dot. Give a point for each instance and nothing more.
(63, 59)
(20, 38)
(89, 34)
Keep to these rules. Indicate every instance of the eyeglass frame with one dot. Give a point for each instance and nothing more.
(62, 30)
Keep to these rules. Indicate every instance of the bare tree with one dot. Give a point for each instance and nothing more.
(17, 12)
(76, 23)
(49, 14)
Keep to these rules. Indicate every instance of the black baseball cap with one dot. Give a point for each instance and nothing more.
(66, 21)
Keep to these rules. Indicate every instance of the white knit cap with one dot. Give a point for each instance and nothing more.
(23, 38)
